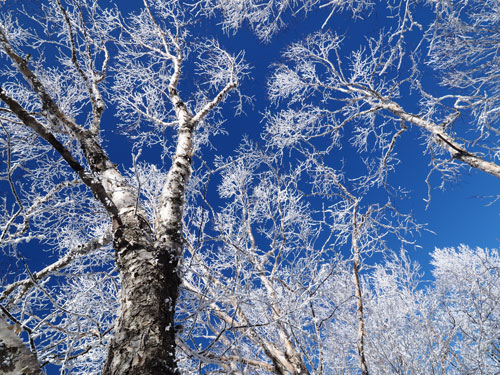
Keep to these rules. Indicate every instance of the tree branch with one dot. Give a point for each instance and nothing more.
(94, 184)
(73, 254)
(456, 150)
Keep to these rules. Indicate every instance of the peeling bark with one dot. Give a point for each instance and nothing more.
(15, 357)
(142, 341)
(144, 337)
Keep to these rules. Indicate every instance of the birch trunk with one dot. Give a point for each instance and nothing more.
(359, 295)
(144, 338)
(143, 341)
(147, 254)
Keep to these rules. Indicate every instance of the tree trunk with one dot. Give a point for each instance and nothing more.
(15, 357)
(359, 295)
(144, 339)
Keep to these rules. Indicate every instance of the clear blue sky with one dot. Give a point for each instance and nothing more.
(461, 214)
(457, 215)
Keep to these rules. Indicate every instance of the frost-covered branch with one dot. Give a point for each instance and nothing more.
(314, 71)
(62, 262)
(267, 17)
(96, 187)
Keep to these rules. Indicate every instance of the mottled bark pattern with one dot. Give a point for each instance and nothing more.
(147, 254)
(15, 357)
(144, 339)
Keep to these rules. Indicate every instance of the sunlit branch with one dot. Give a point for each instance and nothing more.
(456, 150)
(91, 83)
(161, 33)
(216, 101)
(62, 262)
(95, 186)
(54, 114)
(225, 360)
(361, 333)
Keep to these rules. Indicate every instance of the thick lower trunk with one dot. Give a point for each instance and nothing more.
(144, 338)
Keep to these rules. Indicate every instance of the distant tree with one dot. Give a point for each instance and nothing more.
(269, 276)
(322, 94)
(445, 327)
(267, 291)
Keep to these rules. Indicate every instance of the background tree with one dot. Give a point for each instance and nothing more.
(327, 94)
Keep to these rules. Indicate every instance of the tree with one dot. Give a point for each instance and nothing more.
(280, 298)
(300, 265)
(324, 92)
(58, 104)
(269, 276)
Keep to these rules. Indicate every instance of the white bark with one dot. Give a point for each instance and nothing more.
(361, 333)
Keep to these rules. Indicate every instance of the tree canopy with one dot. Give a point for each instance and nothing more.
(236, 186)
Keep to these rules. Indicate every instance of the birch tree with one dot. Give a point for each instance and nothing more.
(266, 268)
(326, 95)
(368, 86)
(277, 275)
(268, 291)
(58, 78)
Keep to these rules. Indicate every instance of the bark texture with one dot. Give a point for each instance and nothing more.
(143, 341)
(147, 254)
(15, 357)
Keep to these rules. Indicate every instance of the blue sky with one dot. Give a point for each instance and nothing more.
(459, 214)
(463, 213)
